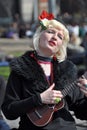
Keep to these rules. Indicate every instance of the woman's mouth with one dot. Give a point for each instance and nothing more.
(52, 43)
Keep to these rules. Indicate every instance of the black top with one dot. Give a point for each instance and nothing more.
(27, 80)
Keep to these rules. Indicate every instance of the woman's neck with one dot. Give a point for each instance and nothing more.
(43, 58)
(44, 55)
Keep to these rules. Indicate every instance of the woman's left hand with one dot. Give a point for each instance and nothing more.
(82, 83)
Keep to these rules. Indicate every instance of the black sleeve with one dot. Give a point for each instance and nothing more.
(14, 104)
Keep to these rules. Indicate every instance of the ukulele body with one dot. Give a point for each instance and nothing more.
(41, 116)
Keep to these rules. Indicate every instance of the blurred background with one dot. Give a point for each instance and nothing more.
(19, 21)
(23, 15)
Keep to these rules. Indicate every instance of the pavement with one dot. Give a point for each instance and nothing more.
(9, 45)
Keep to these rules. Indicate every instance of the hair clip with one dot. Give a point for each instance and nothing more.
(44, 19)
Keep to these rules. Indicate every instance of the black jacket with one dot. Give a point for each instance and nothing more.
(27, 80)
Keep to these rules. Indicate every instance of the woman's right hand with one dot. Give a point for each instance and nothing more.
(82, 83)
(50, 95)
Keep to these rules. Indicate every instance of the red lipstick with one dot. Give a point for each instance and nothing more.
(52, 43)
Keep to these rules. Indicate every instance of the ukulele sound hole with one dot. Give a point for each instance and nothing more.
(38, 114)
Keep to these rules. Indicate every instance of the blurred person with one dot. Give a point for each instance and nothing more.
(41, 88)
(75, 51)
(12, 31)
(81, 30)
(84, 41)
(84, 44)
(3, 124)
(74, 27)
(85, 26)
(22, 31)
(29, 33)
(34, 26)
(17, 19)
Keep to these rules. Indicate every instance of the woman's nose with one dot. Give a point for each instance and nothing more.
(55, 37)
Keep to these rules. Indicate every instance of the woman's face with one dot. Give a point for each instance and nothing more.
(50, 41)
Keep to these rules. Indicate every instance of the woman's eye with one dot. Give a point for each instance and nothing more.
(50, 31)
(60, 37)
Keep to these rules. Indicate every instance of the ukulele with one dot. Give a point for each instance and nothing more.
(41, 116)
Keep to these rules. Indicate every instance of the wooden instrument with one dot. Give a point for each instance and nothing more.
(41, 116)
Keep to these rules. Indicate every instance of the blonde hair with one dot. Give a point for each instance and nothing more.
(62, 53)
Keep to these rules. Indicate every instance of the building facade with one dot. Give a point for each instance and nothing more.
(27, 9)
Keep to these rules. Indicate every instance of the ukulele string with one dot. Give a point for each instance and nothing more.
(72, 85)
(68, 89)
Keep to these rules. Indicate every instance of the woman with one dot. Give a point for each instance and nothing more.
(41, 88)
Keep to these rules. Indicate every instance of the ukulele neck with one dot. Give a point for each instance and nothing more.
(66, 90)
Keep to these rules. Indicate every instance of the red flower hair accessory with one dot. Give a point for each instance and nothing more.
(44, 19)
